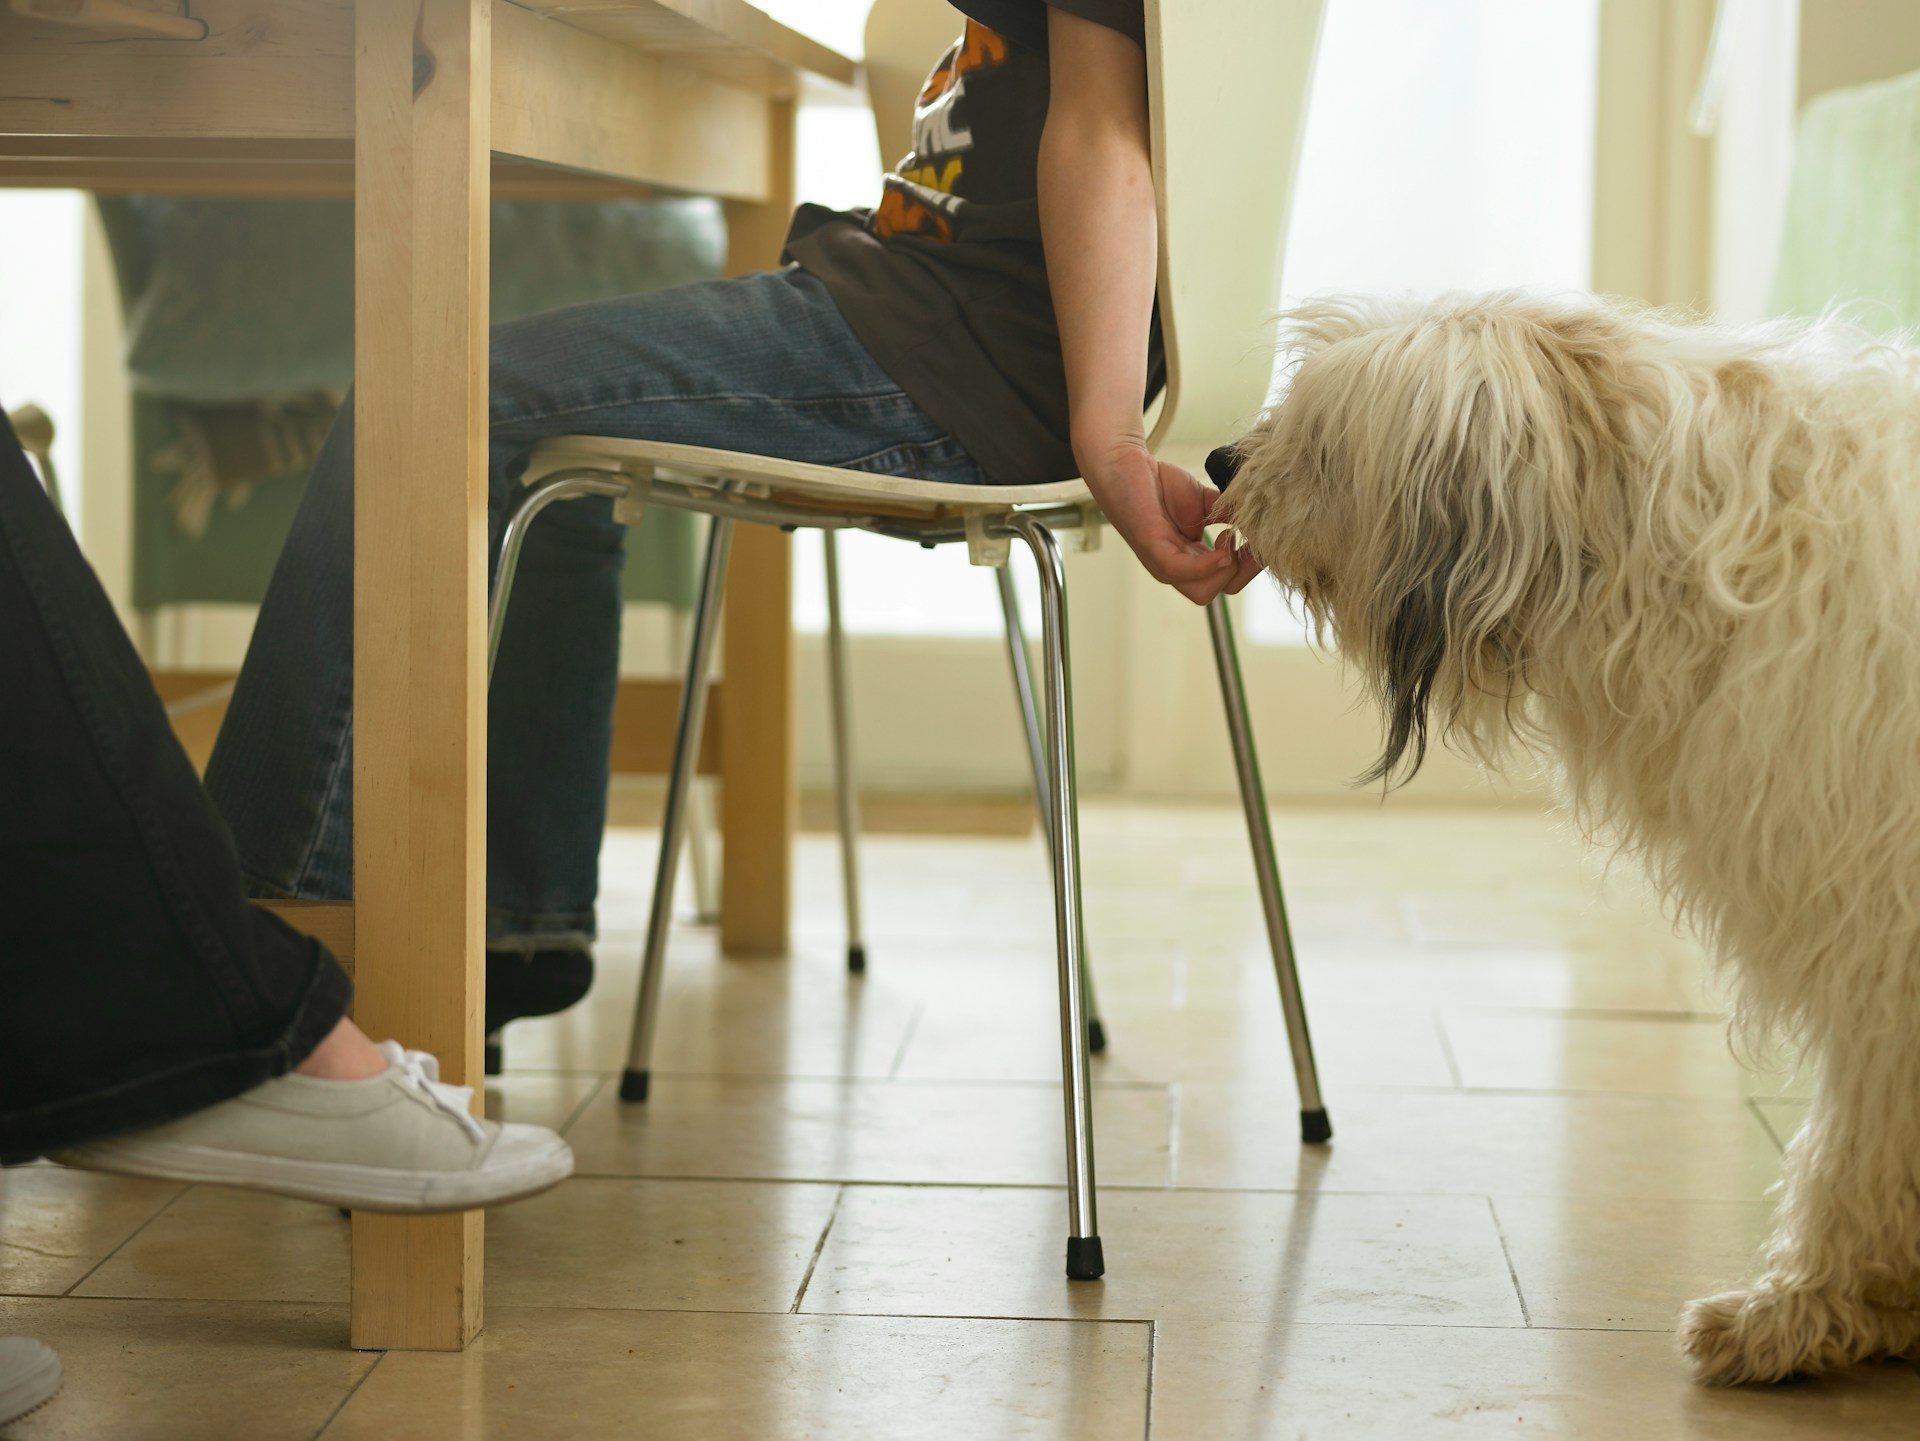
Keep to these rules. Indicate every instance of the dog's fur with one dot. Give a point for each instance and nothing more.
(1684, 561)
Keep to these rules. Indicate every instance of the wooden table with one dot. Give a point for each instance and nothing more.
(421, 109)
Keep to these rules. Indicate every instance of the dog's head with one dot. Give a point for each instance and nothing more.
(1423, 485)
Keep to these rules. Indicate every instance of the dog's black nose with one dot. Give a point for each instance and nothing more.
(1222, 463)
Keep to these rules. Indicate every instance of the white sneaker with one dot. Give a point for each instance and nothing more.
(398, 1141)
(29, 1376)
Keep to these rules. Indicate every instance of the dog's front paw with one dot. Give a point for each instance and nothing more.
(1773, 1333)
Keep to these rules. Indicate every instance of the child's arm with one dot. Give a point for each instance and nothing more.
(1097, 217)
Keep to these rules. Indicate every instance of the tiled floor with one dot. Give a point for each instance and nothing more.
(840, 1214)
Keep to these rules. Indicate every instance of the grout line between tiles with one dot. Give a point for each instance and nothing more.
(906, 1039)
(1446, 1049)
(1506, 1252)
(127, 1240)
(580, 1109)
(819, 1246)
(1051, 1087)
(840, 1078)
(1173, 1136)
(1158, 1188)
(1766, 1124)
(1395, 1324)
(1604, 1013)
(353, 1391)
(1153, 1344)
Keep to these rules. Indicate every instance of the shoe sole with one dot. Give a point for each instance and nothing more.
(30, 1392)
(358, 1188)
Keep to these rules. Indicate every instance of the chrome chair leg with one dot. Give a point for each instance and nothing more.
(514, 537)
(1037, 761)
(1084, 1259)
(845, 791)
(686, 750)
(512, 540)
(1315, 1128)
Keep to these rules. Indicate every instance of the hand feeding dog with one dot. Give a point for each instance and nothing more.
(1684, 562)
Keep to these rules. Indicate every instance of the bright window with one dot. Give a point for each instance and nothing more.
(40, 317)
(1447, 147)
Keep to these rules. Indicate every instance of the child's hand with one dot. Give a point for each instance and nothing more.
(1162, 512)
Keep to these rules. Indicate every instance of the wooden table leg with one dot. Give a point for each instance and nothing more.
(758, 789)
(421, 154)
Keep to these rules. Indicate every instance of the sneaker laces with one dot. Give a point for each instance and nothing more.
(423, 1069)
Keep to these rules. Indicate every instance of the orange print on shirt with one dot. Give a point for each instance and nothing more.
(900, 214)
(978, 47)
(911, 201)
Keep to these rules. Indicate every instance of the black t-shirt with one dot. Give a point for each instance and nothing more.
(945, 281)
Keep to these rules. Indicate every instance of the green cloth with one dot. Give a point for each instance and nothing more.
(229, 300)
(240, 339)
(1852, 232)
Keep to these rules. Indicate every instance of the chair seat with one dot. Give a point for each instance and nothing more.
(824, 487)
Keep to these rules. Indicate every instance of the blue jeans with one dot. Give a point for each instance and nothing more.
(764, 363)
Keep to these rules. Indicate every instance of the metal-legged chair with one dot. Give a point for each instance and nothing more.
(1212, 71)
(732, 487)
(846, 792)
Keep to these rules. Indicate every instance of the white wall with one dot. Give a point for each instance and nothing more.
(1447, 147)
(41, 235)
(1753, 150)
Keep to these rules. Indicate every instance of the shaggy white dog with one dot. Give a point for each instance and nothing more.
(1684, 561)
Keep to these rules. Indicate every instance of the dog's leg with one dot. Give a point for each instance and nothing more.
(1842, 1283)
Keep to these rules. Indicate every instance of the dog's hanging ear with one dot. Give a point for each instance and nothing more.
(1415, 645)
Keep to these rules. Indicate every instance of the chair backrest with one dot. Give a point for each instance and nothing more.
(1227, 84)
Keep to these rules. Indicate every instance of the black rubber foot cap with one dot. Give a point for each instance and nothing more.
(1084, 1261)
(633, 1085)
(857, 960)
(1096, 1037)
(1315, 1128)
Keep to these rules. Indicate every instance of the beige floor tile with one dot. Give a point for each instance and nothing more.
(949, 1251)
(648, 1296)
(1157, 1045)
(657, 1245)
(187, 1370)
(1782, 1117)
(1395, 1383)
(1477, 1143)
(722, 1016)
(811, 1130)
(1636, 1055)
(540, 1098)
(1549, 977)
(1627, 1263)
(592, 1375)
(1526, 913)
(56, 1225)
(663, 1245)
(1023, 975)
(1320, 920)
(215, 1244)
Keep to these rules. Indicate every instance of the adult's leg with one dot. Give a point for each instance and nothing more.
(763, 363)
(136, 982)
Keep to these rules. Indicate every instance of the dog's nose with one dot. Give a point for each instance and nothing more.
(1222, 463)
